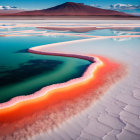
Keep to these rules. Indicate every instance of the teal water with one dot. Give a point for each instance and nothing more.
(22, 73)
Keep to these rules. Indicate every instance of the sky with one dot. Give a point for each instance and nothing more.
(43, 4)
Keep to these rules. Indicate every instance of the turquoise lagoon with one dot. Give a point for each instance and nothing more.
(23, 73)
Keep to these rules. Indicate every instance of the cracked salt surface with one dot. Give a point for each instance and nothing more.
(116, 116)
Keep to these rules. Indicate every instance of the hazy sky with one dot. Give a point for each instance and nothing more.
(42, 4)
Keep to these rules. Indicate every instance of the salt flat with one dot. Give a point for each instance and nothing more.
(116, 115)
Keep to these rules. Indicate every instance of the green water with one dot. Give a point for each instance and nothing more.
(22, 73)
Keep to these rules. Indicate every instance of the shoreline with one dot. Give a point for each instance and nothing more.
(20, 99)
(38, 50)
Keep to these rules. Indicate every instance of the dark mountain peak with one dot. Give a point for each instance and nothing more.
(73, 9)
(67, 5)
(73, 3)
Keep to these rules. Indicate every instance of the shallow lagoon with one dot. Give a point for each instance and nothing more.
(22, 73)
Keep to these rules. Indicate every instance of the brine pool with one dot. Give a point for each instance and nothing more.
(23, 73)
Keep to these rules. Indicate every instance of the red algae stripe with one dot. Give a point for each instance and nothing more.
(94, 81)
(53, 94)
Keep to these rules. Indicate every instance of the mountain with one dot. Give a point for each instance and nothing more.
(72, 9)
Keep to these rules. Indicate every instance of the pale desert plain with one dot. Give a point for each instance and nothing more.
(105, 103)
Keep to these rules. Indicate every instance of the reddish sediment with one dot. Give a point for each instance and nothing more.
(91, 79)
(73, 29)
(17, 103)
(84, 29)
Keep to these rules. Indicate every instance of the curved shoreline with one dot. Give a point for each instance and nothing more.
(86, 75)
(37, 50)
(60, 104)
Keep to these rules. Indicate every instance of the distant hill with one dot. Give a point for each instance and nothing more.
(72, 9)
